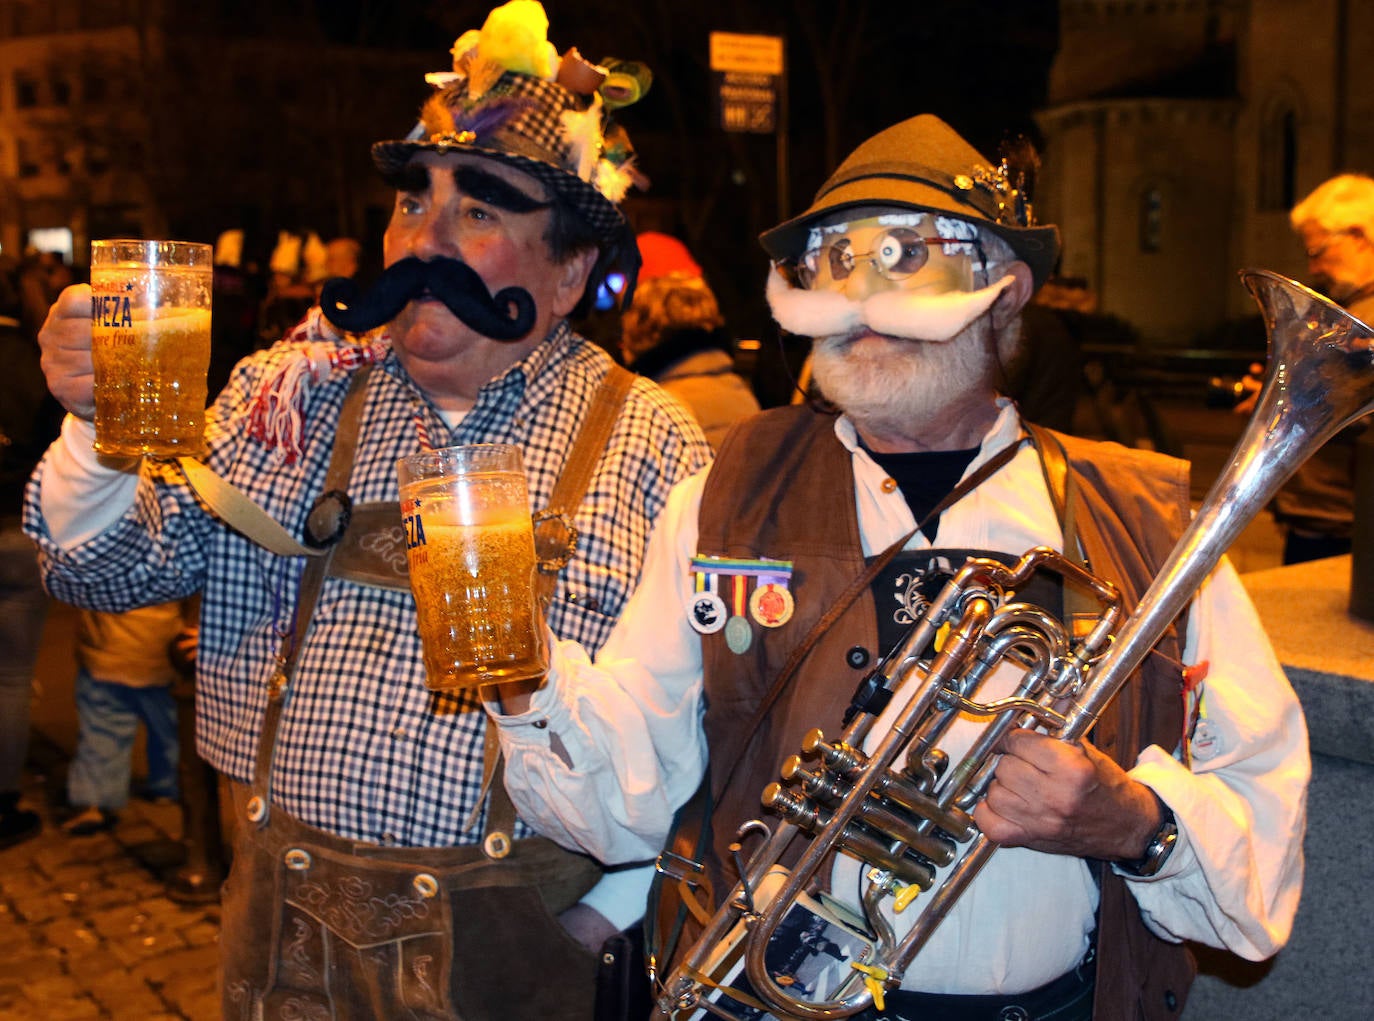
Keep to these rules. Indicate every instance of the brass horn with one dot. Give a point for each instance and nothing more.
(905, 812)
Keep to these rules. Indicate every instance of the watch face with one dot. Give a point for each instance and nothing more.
(1157, 853)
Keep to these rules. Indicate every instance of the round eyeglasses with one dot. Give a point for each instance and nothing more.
(896, 254)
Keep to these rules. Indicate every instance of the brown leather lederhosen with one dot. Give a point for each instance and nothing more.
(782, 486)
(359, 931)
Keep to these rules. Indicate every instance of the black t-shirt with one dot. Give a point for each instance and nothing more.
(925, 478)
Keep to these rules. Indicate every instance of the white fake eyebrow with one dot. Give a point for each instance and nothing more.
(903, 219)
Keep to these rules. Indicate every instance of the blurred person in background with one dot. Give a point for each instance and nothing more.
(237, 296)
(342, 257)
(1046, 377)
(289, 293)
(1335, 225)
(42, 275)
(197, 877)
(674, 334)
(124, 677)
(27, 425)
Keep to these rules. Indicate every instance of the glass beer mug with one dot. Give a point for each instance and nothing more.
(470, 550)
(150, 345)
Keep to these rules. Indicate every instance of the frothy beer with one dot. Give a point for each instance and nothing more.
(150, 391)
(150, 345)
(472, 571)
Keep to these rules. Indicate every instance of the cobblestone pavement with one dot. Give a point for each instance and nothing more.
(85, 928)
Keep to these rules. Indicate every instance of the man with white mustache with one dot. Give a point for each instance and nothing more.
(778, 577)
(866, 309)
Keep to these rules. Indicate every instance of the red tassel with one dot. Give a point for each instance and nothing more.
(275, 413)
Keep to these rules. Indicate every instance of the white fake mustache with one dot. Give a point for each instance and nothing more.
(909, 315)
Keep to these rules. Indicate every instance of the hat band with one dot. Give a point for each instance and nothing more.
(517, 144)
(963, 188)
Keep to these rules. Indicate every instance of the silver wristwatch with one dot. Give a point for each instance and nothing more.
(1157, 851)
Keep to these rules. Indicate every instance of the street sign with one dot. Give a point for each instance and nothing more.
(748, 70)
(748, 103)
(751, 54)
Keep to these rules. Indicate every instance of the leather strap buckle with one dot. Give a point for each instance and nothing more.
(328, 519)
(555, 540)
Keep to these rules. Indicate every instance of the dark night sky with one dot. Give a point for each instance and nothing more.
(983, 67)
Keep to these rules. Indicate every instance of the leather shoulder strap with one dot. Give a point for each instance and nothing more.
(312, 578)
(555, 537)
(239, 512)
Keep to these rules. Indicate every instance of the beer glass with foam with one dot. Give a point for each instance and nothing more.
(150, 344)
(470, 550)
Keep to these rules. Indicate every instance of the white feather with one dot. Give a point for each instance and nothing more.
(582, 132)
(613, 181)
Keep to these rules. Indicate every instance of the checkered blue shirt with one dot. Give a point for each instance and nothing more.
(365, 750)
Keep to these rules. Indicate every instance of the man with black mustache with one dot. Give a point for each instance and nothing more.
(375, 874)
(778, 577)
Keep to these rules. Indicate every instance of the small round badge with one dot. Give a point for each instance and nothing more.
(1206, 742)
(707, 614)
(771, 605)
(738, 635)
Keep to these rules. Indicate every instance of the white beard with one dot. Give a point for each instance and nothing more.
(891, 386)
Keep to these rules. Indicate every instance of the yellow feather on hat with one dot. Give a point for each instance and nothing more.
(516, 36)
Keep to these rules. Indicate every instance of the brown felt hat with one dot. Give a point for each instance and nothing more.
(923, 164)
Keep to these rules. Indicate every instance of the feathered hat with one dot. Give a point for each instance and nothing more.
(510, 97)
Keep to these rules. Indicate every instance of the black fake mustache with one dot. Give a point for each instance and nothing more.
(506, 315)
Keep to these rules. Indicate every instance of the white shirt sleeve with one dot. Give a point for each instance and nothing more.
(609, 751)
(81, 495)
(1235, 876)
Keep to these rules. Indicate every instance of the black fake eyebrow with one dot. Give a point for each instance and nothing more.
(411, 179)
(493, 191)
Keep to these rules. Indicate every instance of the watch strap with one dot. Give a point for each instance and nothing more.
(1157, 851)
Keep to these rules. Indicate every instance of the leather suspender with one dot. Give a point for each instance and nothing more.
(555, 540)
(1054, 463)
(362, 558)
(312, 579)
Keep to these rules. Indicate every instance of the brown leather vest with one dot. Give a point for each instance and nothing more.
(782, 487)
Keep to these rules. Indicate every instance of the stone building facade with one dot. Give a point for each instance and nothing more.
(1178, 133)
